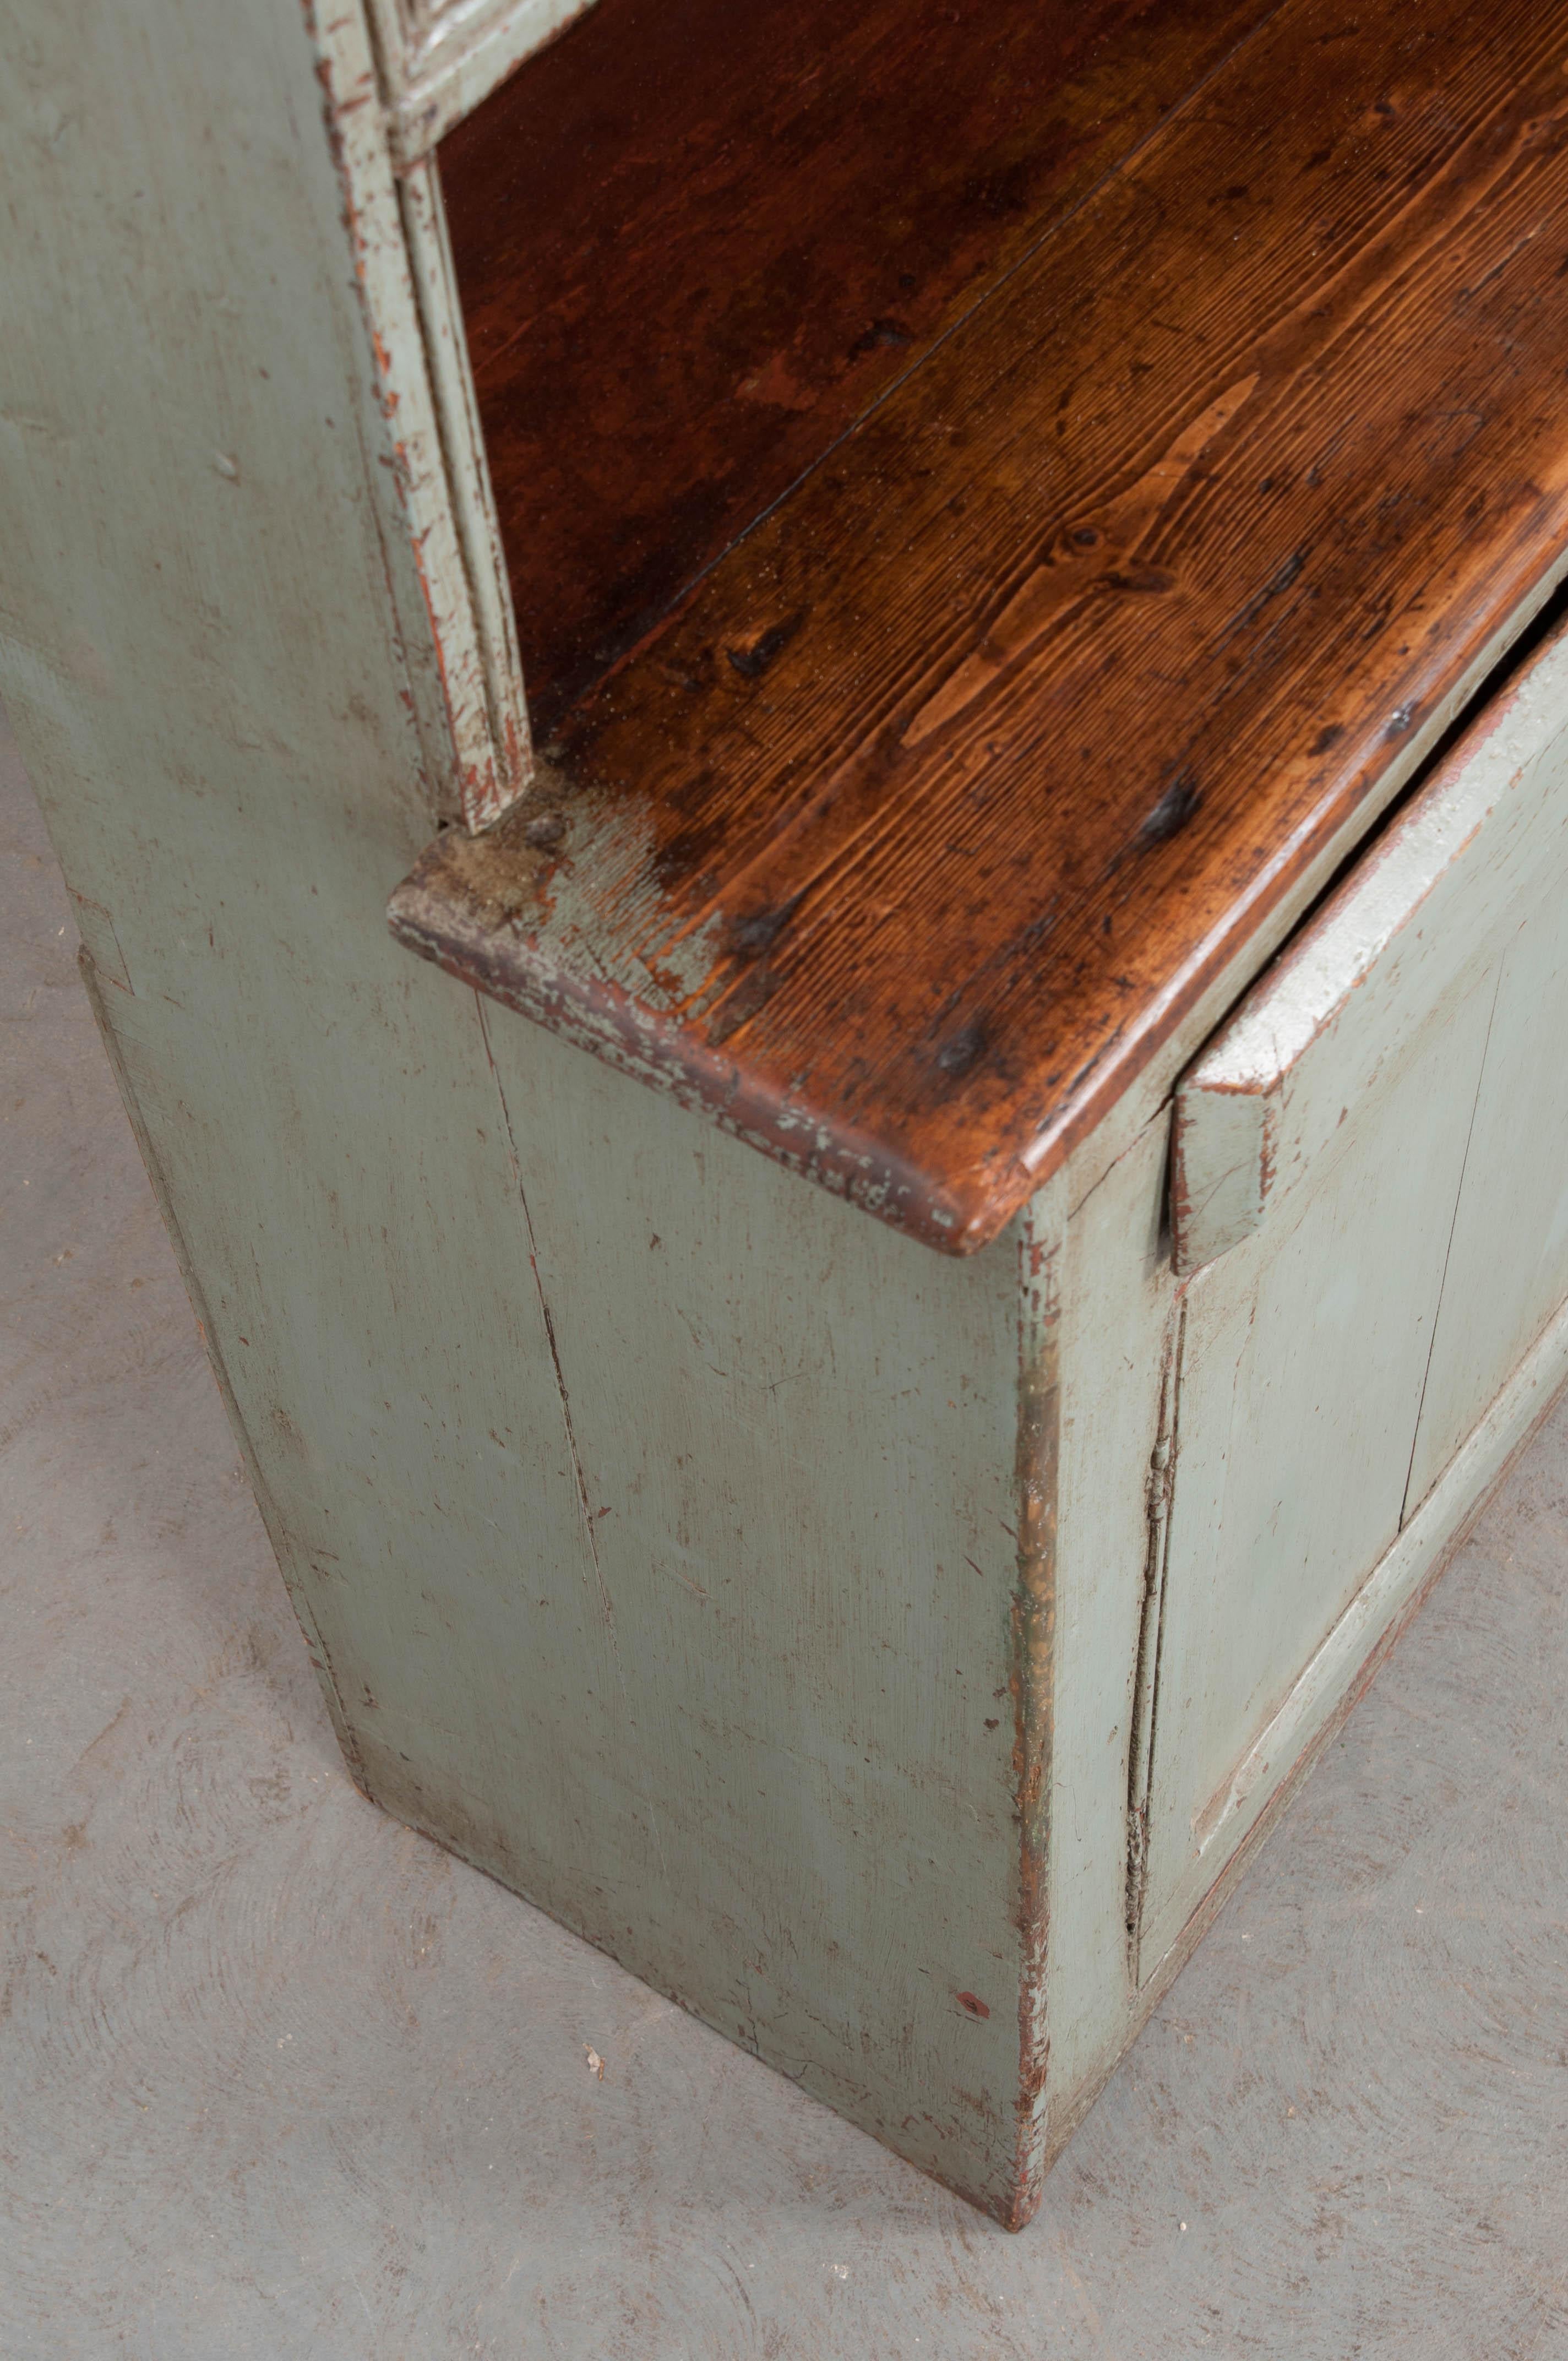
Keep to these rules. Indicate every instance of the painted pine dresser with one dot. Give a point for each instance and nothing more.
(940, 622)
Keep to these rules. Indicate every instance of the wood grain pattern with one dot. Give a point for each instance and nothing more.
(917, 829)
(694, 242)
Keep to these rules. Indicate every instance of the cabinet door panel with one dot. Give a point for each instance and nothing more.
(1302, 1363)
(1369, 1201)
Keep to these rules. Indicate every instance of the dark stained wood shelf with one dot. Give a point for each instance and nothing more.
(939, 796)
(694, 241)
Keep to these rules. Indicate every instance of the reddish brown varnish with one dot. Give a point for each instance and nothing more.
(694, 239)
(917, 829)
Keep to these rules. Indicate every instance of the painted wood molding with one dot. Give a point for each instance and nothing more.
(470, 705)
(1341, 1005)
(441, 58)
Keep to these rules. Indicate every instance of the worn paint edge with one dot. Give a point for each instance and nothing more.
(467, 471)
(599, 1017)
(1227, 961)
(1234, 1200)
(1032, 1633)
(427, 421)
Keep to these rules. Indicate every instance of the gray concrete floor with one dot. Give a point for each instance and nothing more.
(279, 2078)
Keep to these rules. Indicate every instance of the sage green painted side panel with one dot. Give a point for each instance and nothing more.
(794, 1436)
(670, 1582)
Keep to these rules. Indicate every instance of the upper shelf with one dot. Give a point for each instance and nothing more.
(696, 241)
(912, 831)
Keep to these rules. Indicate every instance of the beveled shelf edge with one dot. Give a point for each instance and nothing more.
(437, 912)
(701, 812)
(430, 917)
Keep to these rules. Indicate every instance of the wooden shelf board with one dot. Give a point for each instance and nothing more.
(940, 799)
(694, 242)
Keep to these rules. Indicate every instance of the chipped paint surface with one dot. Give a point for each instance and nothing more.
(478, 908)
(403, 280)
